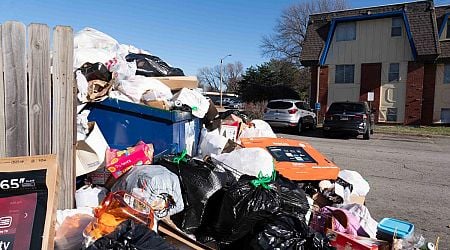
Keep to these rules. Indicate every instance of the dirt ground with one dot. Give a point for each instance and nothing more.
(409, 177)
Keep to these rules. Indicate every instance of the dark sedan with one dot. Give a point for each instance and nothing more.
(349, 117)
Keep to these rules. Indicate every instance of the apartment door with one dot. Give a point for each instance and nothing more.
(371, 82)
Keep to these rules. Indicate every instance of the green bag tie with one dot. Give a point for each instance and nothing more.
(194, 108)
(263, 180)
(180, 158)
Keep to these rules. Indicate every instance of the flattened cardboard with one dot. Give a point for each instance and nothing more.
(30, 163)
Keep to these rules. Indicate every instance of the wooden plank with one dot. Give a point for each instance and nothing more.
(2, 104)
(63, 141)
(16, 97)
(179, 82)
(39, 89)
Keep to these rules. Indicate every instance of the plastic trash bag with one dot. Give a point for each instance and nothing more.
(91, 45)
(148, 65)
(69, 234)
(231, 213)
(89, 196)
(195, 100)
(211, 143)
(258, 128)
(133, 236)
(199, 181)
(153, 183)
(82, 86)
(95, 71)
(135, 87)
(281, 231)
(249, 161)
(121, 69)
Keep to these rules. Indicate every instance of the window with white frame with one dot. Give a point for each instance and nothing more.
(447, 74)
(396, 29)
(345, 73)
(346, 31)
(445, 115)
(394, 72)
(391, 115)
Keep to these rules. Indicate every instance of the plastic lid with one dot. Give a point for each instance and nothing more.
(402, 229)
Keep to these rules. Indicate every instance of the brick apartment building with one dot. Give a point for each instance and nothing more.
(400, 52)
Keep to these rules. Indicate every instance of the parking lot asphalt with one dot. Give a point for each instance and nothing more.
(409, 176)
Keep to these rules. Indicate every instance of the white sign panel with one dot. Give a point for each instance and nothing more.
(370, 96)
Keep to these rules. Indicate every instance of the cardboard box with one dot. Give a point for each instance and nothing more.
(27, 185)
(179, 82)
(158, 104)
(350, 242)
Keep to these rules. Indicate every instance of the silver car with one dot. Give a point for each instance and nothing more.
(290, 113)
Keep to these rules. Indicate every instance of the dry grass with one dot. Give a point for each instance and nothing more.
(255, 110)
(413, 130)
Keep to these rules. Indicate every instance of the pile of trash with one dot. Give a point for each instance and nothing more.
(239, 187)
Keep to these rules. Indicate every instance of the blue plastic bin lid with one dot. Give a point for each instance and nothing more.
(402, 229)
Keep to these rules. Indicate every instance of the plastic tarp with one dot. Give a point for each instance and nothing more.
(249, 161)
(150, 182)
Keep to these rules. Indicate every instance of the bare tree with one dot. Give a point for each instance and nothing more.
(209, 77)
(289, 33)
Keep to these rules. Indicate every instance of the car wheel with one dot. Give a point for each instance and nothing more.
(313, 125)
(300, 127)
(366, 135)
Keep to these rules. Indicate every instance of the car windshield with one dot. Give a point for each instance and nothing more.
(346, 107)
(279, 105)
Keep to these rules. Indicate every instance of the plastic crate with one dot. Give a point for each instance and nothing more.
(124, 124)
(387, 227)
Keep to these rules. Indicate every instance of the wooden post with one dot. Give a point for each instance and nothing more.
(2, 104)
(15, 80)
(63, 141)
(39, 89)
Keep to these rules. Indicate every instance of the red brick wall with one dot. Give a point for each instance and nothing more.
(323, 91)
(313, 90)
(414, 90)
(429, 81)
(371, 82)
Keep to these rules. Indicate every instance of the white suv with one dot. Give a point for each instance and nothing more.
(290, 113)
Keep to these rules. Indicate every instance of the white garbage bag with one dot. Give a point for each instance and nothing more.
(260, 129)
(121, 69)
(135, 87)
(91, 45)
(249, 161)
(89, 196)
(211, 143)
(193, 99)
(82, 85)
(153, 183)
(360, 185)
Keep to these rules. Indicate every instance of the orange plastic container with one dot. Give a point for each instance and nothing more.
(295, 160)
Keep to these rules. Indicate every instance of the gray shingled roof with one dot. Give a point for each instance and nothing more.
(421, 18)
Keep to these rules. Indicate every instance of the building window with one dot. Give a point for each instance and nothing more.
(391, 114)
(447, 74)
(346, 31)
(445, 115)
(345, 73)
(448, 30)
(396, 29)
(394, 72)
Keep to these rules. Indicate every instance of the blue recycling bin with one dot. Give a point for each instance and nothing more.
(123, 124)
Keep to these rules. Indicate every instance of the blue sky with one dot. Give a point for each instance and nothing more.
(189, 34)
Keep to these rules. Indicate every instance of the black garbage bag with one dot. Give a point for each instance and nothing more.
(199, 181)
(130, 235)
(233, 212)
(280, 231)
(148, 65)
(95, 71)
